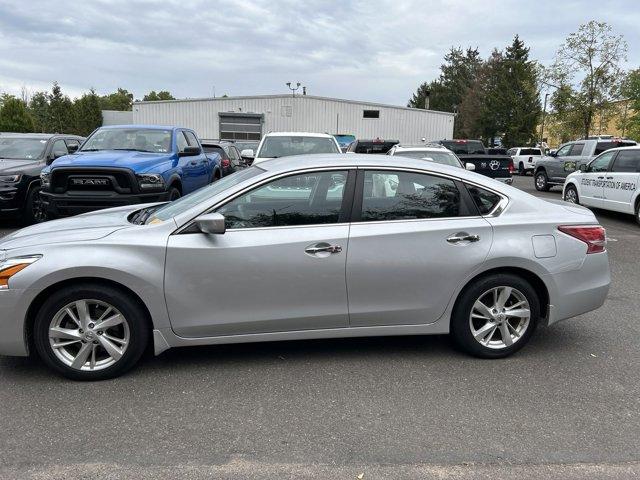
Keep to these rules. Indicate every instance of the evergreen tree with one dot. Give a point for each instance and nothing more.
(61, 118)
(14, 116)
(39, 109)
(88, 114)
(519, 102)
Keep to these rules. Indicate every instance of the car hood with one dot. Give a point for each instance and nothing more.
(136, 161)
(9, 165)
(89, 226)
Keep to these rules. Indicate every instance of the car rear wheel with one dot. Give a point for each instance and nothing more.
(34, 209)
(90, 332)
(542, 182)
(495, 316)
(571, 195)
(638, 211)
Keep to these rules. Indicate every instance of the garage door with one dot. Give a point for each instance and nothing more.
(240, 126)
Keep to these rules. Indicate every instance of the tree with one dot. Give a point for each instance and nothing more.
(88, 114)
(120, 100)
(589, 63)
(630, 122)
(39, 109)
(152, 96)
(14, 116)
(458, 75)
(60, 118)
(519, 100)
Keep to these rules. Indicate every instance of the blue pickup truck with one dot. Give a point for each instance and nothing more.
(124, 165)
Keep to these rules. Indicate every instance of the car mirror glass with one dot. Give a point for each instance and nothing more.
(211, 223)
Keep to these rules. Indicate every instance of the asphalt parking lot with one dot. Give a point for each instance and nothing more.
(568, 405)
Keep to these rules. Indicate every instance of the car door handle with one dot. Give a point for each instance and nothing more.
(600, 178)
(323, 247)
(463, 237)
(609, 178)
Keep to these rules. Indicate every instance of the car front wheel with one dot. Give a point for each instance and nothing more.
(495, 316)
(571, 195)
(90, 332)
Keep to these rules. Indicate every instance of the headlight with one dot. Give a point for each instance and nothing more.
(45, 180)
(11, 266)
(149, 181)
(10, 178)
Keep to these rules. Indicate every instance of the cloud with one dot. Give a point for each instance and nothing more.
(378, 50)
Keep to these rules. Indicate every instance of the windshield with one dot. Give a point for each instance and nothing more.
(445, 158)
(465, 147)
(183, 204)
(274, 147)
(22, 148)
(138, 139)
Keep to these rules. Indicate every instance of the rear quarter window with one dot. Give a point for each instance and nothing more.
(484, 200)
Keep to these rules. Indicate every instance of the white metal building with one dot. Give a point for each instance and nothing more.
(116, 117)
(248, 118)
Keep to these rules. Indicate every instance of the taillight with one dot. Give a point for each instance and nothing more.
(511, 166)
(226, 162)
(593, 235)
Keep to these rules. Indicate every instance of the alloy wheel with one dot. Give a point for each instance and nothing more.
(500, 317)
(540, 181)
(89, 335)
(571, 196)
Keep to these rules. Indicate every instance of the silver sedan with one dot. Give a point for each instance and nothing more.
(315, 246)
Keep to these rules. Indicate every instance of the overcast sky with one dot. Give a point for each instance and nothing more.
(377, 50)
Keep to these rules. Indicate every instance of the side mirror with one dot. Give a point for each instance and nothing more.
(471, 167)
(584, 168)
(212, 223)
(190, 152)
(553, 154)
(247, 153)
(73, 148)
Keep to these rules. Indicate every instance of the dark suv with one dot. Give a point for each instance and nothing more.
(22, 157)
(230, 159)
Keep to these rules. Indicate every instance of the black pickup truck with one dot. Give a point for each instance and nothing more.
(498, 167)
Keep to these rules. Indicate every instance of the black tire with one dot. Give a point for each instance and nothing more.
(216, 176)
(541, 181)
(638, 211)
(461, 332)
(575, 192)
(34, 209)
(521, 171)
(174, 194)
(134, 316)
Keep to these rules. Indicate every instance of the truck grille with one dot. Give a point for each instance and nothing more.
(93, 180)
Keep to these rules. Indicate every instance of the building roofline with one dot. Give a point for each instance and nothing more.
(314, 97)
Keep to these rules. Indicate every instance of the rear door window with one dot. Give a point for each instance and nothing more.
(576, 149)
(398, 195)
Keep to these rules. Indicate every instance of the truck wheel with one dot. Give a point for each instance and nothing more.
(638, 211)
(542, 182)
(174, 194)
(34, 209)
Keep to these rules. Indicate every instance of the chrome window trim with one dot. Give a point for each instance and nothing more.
(497, 210)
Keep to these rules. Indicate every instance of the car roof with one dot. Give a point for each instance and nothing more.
(298, 134)
(36, 135)
(422, 148)
(146, 127)
(363, 160)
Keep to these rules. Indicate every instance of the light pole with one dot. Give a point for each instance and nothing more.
(293, 89)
